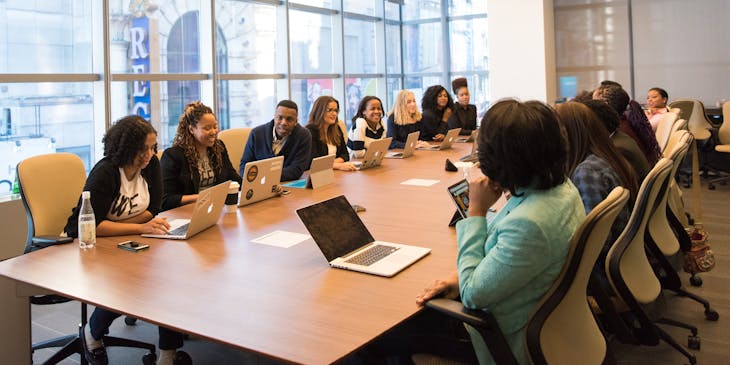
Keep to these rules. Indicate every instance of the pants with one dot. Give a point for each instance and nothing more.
(101, 319)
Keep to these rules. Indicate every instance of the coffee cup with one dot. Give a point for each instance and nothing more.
(232, 198)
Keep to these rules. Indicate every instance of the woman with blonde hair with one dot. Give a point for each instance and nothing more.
(404, 120)
(327, 136)
(197, 159)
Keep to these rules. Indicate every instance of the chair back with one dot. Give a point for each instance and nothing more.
(627, 266)
(685, 107)
(697, 122)
(659, 227)
(664, 129)
(724, 133)
(564, 309)
(50, 186)
(235, 140)
(343, 128)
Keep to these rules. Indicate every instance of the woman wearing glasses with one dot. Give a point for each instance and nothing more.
(327, 136)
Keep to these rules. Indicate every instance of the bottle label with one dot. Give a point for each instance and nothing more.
(87, 233)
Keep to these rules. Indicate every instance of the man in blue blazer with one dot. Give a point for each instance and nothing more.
(282, 136)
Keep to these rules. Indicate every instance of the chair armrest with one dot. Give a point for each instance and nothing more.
(482, 321)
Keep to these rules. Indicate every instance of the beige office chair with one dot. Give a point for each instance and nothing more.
(664, 129)
(563, 309)
(343, 128)
(631, 275)
(722, 148)
(50, 186)
(694, 112)
(235, 140)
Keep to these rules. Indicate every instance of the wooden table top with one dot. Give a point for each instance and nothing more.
(285, 303)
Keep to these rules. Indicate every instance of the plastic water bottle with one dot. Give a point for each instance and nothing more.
(87, 222)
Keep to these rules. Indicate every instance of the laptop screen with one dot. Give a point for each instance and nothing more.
(335, 227)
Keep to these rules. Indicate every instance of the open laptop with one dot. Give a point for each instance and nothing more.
(260, 179)
(470, 138)
(374, 154)
(347, 244)
(472, 156)
(409, 148)
(206, 213)
(320, 172)
(446, 143)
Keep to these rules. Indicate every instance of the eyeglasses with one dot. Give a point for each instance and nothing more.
(333, 110)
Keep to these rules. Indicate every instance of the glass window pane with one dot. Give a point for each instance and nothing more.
(419, 84)
(44, 118)
(248, 103)
(305, 92)
(247, 39)
(327, 4)
(46, 37)
(355, 90)
(423, 48)
(392, 11)
(165, 39)
(393, 49)
(311, 42)
(367, 7)
(421, 9)
(393, 87)
(467, 7)
(360, 47)
(468, 44)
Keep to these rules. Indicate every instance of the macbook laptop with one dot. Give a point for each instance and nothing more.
(347, 244)
(207, 210)
(260, 179)
(320, 172)
(409, 148)
(446, 143)
(470, 138)
(472, 156)
(374, 154)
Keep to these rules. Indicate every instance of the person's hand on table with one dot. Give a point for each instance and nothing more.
(344, 166)
(156, 225)
(439, 137)
(422, 144)
(446, 288)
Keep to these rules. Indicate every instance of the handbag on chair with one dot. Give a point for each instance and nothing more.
(700, 257)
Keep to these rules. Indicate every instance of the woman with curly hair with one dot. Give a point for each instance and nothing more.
(327, 136)
(633, 120)
(126, 193)
(197, 159)
(436, 105)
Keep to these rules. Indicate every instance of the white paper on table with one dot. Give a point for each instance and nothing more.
(463, 165)
(420, 182)
(281, 239)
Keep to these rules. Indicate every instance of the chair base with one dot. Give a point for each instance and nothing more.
(72, 345)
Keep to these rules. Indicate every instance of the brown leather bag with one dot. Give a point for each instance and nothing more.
(700, 257)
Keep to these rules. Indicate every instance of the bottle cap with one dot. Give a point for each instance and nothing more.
(86, 195)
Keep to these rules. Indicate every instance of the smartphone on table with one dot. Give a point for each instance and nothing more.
(133, 246)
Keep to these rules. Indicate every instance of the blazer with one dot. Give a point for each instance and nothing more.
(319, 148)
(178, 181)
(296, 150)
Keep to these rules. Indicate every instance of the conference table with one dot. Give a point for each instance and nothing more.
(283, 303)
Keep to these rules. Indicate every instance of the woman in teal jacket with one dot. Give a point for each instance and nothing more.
(507, 264)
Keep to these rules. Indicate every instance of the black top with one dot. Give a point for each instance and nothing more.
(400, 132)
(178, 181)
(464, 117)
(319, 148)
(431, 124)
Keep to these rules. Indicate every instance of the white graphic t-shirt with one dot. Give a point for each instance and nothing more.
(133, 199)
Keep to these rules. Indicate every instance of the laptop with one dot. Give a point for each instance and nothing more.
(206, 213)
(470, 138)
(320, 172)
(472, 156)
(347, 244)
(446, 143)
(374, 154)
(410, 147)
(260, 179)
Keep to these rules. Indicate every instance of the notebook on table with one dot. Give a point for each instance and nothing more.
(347, 244)
(446, 143)
(374, 154)
(409, 148)
(206, 213)
(260, 180)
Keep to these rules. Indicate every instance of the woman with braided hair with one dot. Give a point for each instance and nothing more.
(197, 159)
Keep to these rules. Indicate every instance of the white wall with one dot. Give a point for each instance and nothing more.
(521, 50)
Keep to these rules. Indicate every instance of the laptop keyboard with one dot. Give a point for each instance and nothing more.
(180, 231)
(372, 255)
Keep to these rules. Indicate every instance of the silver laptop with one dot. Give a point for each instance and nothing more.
(374, 154)
(409, 148)
(206, 213)
(260, 179)
(473, 155)
(446, 143)
(347, 244)
(470, 138)
(320, 172)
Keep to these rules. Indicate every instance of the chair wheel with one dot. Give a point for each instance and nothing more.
(149, 359)
(695, 280)
(182, 358)
(711, 186)
(711, 315)
(693, 342)
(130, 321)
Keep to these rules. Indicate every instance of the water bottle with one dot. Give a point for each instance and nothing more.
(87, 222)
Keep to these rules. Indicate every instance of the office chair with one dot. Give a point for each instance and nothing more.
(47, 210)
(719, 159)
(664, 129)
(563, 309)
(235, 140)
(632, 277)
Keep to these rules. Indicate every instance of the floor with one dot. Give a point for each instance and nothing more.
(56, 320)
